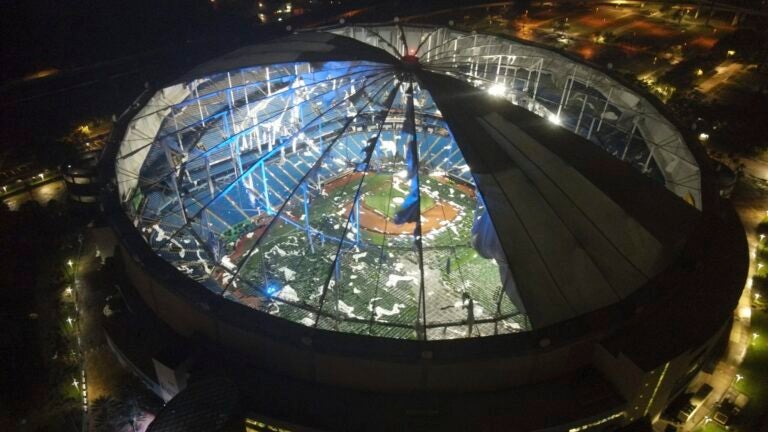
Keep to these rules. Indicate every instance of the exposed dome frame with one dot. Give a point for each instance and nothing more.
(209, 171)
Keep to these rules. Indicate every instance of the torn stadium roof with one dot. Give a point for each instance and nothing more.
(468, 190)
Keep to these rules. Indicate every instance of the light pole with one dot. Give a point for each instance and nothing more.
(74, 290)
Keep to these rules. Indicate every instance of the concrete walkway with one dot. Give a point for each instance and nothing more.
(751, 209)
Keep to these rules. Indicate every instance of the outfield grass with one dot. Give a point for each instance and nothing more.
(454, 267)
(379, 193)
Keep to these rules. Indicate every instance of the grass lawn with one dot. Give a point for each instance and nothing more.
(711, 427)
(754, 373)
(755, 366)
(762, 250)
(754, 370)
(379, 193)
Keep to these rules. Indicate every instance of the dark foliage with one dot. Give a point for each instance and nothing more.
(33, 354)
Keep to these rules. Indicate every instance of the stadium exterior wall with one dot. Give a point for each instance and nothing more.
(647, 392)
(305, 356)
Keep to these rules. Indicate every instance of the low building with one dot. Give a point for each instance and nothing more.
(82, 179)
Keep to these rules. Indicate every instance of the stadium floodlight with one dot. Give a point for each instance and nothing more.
(497, 90)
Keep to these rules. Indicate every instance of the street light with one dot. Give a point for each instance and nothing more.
(745, 312)
(69, 320)
(739, 377)
(69, 263)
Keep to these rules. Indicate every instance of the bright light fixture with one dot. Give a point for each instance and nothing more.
(703, 136)
(745, 312)
(497, 90)
(554, 119)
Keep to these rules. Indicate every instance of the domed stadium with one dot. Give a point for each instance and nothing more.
(362, 190)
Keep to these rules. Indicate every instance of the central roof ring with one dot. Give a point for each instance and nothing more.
(410, 63)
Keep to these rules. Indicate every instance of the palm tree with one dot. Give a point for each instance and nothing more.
(103, 410)
(110, 414)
